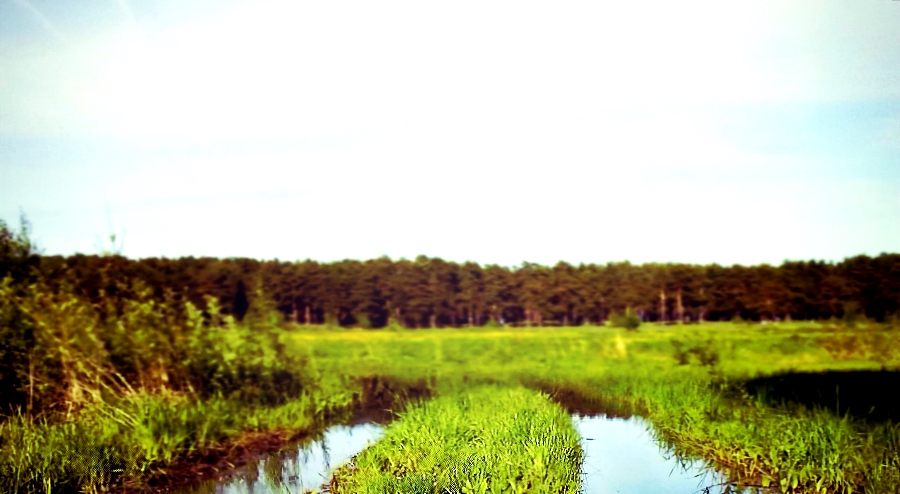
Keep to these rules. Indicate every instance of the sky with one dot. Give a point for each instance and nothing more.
(496, 132)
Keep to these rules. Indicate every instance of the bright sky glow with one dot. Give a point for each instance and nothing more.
(729, 132)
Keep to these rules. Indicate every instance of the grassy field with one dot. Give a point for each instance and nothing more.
(692, 382)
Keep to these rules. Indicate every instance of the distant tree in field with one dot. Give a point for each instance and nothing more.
(851, 314)
(629, 320)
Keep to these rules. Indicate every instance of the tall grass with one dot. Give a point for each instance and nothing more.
(483, 440)
(141, 436)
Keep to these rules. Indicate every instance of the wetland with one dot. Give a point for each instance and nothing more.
(114, 384)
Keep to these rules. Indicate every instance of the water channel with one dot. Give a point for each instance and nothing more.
(621, 456)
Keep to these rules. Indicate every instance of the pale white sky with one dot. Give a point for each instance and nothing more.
(489, 131)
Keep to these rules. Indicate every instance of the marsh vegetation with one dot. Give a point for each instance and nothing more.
(133, 388)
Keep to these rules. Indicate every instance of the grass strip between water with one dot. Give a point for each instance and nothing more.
(485, 440)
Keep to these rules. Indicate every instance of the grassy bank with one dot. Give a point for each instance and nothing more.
(139, 438)
(487, 439)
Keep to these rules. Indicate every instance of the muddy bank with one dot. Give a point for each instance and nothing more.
(586, 402)
(212, 462)
(379, 400)
(304, 467)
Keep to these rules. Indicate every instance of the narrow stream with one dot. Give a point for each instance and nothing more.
(621, 456)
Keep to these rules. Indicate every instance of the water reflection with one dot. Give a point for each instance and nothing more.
(621, 456)
(296, 470)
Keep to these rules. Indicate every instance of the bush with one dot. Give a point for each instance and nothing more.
(629, 320)
(62, 353)
(852, 314)
(364, 322)
(393, 325)
(707, 354)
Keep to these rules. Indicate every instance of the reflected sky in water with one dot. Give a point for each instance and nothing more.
(621, 456)
(297, 470)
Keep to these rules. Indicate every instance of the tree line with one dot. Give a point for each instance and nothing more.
(104, 322)
(431, 292)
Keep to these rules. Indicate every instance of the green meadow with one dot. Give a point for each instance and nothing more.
(446, 387)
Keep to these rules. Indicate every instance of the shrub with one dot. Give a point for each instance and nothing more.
(394, 326)
(61, 352)
(706, 354)
(852, 314)
(629, 320)
(363, 321)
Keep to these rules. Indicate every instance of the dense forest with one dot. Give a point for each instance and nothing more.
(431, 292)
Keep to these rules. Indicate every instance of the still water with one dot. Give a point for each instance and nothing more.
(621, 456)
(297, 470)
